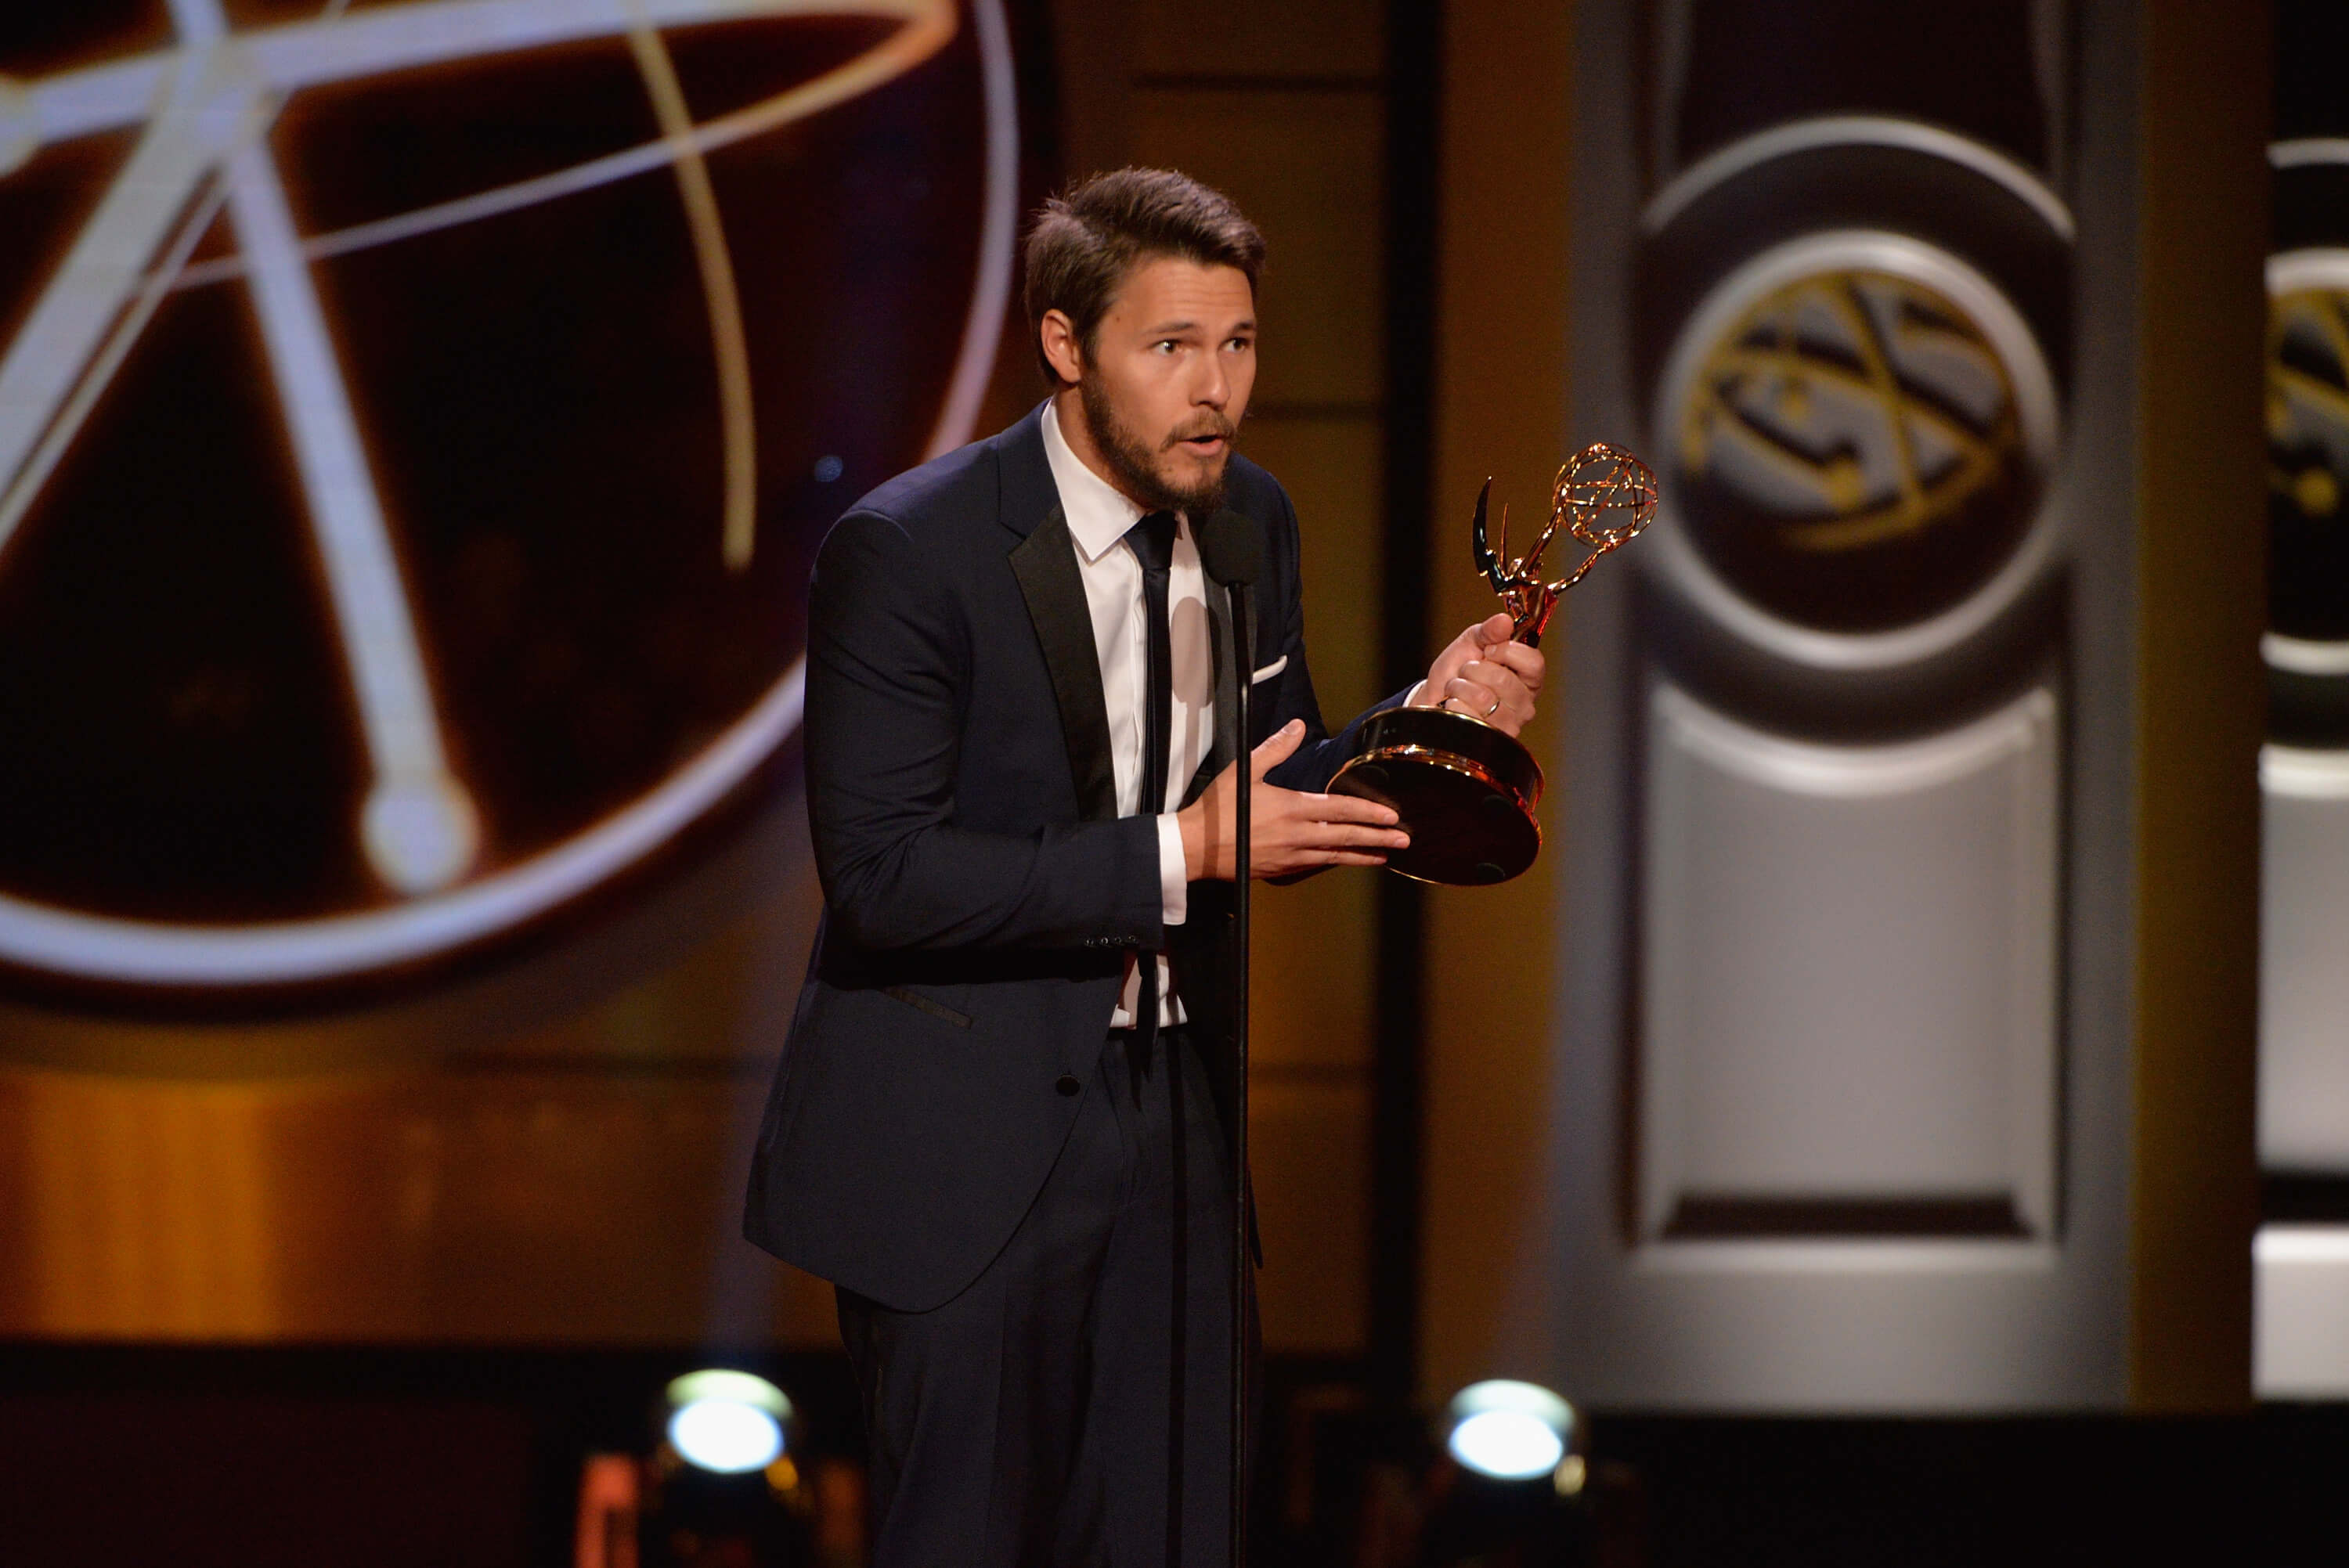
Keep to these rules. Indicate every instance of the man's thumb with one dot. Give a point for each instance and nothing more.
(1278, 746)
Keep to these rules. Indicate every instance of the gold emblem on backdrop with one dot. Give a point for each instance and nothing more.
(2307, 419)
(1859, 407)
(1850, 449)
(2308, 401)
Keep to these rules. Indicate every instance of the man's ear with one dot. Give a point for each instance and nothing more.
(1057, 335)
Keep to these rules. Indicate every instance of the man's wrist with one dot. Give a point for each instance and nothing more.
(1190, 824)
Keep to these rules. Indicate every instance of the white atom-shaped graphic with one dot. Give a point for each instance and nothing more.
(201, 111)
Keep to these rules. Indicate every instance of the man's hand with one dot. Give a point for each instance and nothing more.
(1485, 675)
(1289, 832)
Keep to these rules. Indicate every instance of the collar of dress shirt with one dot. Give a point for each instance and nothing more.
(1098, 513)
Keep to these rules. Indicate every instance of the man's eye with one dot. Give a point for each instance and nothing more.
(1240, 345)
(1163, 345)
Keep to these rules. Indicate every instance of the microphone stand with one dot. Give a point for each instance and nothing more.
(1231, 555)
(1244, 645)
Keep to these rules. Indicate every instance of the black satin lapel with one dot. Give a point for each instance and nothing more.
(1046, 564)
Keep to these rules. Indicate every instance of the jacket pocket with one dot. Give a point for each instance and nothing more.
(919, 1003)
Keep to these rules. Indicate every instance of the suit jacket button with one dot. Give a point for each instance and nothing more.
(1067, 1085)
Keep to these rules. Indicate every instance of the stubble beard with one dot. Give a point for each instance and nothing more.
(1133, 464)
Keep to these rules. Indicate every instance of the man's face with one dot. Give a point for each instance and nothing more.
(1168, 380)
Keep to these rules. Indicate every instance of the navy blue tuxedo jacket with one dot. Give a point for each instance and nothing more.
(981, 895)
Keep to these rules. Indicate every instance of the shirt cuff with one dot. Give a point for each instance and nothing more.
(1174, 881)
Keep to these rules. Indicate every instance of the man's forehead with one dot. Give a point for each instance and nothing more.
(1171, 290)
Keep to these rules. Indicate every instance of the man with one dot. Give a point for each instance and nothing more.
(998, 1126)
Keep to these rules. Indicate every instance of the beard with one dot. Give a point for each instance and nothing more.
(1133, 464)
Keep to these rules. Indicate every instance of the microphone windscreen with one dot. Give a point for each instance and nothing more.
(1228, 548)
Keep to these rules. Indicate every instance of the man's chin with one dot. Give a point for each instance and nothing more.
(1197, 485)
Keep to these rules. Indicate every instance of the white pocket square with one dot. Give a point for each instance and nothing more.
(1269, 671)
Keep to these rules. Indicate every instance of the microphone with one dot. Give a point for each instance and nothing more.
(1231, 554)
(1228, 549)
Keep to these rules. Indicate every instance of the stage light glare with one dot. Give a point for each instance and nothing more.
(1509, 1430)
(1507, 1445)
(727, 1422)
(731, 1439)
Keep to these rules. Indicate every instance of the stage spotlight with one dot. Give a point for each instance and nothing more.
(726, 1422)
(1509, 1430)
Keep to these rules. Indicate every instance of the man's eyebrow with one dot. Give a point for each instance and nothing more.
(1169, 328)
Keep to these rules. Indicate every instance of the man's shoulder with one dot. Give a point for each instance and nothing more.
(962, 490)
(949, 492)
(1250, 489)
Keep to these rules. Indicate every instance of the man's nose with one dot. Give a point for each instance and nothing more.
(1213, 389)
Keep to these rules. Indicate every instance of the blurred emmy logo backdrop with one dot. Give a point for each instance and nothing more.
(416, 419)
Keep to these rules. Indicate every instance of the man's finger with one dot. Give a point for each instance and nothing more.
(1493, 676)
(1526, 664)
(1347, 833)
(1340, 858)
(1277, 747)
(1346, 809)
(1477, 699)
(1351, 835)
(1490, 698)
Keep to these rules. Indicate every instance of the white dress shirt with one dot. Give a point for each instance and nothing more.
(1099, 516)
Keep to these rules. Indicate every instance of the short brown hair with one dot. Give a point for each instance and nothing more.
(1084, 241)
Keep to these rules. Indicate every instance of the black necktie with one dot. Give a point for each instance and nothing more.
(1154, 543)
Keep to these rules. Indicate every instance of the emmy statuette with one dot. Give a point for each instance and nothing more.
(1466, 791)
